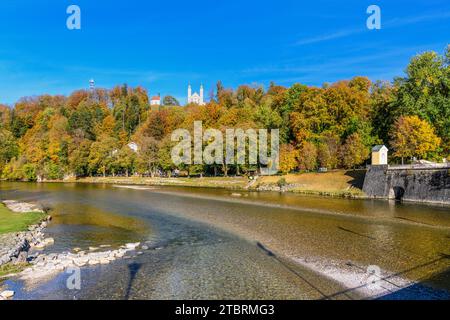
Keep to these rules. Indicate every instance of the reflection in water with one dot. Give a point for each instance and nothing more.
(206, 244)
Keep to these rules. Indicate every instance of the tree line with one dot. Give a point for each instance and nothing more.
(333, 126)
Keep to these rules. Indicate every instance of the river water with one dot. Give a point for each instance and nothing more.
(219, 244)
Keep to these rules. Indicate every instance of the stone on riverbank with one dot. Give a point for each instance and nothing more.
(7, 294)
(46, 265)
(132, 245)
(13, 244)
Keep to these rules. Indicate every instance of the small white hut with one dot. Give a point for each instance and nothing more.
(379, 155)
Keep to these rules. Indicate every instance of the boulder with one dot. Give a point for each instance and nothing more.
(132, 245)
(7, 294)
(49, 241)
(22, 257)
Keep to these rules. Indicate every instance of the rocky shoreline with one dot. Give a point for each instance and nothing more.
(45, 265)
(15, 247)
(23, 248)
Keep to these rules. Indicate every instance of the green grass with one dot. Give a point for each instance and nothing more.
(14, 222)
(10, 268)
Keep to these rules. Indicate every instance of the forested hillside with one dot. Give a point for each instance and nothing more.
(332, 126)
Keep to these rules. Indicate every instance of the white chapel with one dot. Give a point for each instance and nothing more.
(195, 97)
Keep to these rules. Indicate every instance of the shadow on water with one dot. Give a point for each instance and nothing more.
(354, 232)
(267, 251)
(428, 289)
(271, 254)
(133, 268)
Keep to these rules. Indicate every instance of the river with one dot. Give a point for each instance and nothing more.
(220, 244)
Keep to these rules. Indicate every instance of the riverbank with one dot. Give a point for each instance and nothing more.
(23, 239)
(21, 226)
(338, 183)
(17, 217)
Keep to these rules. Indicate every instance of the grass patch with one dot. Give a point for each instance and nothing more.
(10, 268)
(15, 222)
(338, 183)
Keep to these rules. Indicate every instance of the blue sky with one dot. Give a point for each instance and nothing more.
(164, 45)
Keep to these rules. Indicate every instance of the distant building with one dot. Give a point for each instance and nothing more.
(379, 155)
(92, 85)
(195, 97)
(133, 146)
(155, 101)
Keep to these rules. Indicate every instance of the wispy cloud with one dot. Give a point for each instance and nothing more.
(337, 63)
(346, 66)
(400, 22)
(330, 36)
(392, 23)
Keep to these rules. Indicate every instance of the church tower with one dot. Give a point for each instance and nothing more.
(201, 94)
(195, 97)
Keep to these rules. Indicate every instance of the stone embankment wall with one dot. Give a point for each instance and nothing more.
(423, 183)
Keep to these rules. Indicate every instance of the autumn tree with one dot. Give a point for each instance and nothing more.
(333, 125)
(5, 117)
(288, 158)
(413, 137)
(328, 151)
(354, 152)
(307, 156)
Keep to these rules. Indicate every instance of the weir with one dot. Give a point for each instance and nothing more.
(421, 183)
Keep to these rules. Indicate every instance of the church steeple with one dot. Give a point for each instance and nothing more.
(197, 98)
(201, 94)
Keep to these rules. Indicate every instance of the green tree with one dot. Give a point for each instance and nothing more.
(125, 160)
(170, 101)
(101, 155)
(79, 158)
(147, 158)
(425, 92)
(8, 147)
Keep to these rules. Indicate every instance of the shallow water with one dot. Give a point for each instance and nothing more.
(213, 244)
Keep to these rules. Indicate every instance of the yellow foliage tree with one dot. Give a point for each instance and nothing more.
(413, 137)
(288, 158)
